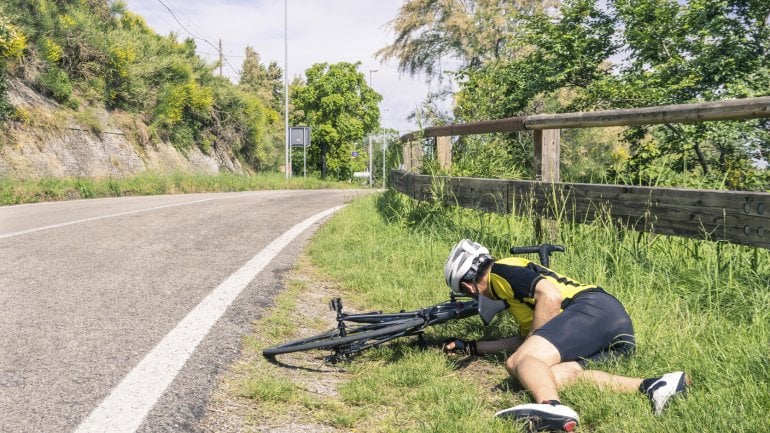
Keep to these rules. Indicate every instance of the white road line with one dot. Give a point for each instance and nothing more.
(69, 223)
(131, 400)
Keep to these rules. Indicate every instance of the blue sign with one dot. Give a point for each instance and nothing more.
(355, 154)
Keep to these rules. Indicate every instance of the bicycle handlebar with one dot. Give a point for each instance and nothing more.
(544, 251)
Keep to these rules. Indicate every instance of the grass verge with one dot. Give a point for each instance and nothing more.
(698, 306)
(17, 191)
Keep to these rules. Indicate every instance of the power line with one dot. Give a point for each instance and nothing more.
(195, 36)
(173, 15)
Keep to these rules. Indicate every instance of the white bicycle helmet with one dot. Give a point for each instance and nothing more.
(463, 263)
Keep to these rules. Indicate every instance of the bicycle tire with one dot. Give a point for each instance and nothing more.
(332, 339)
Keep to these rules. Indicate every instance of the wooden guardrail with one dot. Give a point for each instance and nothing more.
(732, 109)
(735, 216)
(546, 128)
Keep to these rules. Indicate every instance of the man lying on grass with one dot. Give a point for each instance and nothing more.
(564, 325)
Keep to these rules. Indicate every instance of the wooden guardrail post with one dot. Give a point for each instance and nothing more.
(547, 166)
(547, 155)
(413, 154)
(444, 151)
(406, 154)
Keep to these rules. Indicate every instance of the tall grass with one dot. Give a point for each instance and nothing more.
(698, 306)
(17, 191)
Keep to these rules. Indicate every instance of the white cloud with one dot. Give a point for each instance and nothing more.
(328, 31)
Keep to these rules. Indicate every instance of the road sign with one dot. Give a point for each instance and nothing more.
(299, 136)
(355, 154)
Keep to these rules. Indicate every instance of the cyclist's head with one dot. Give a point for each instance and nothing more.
(465, 261)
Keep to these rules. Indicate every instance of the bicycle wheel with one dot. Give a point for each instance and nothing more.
(332, 339)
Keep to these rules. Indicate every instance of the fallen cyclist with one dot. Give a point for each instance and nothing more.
(563, 324)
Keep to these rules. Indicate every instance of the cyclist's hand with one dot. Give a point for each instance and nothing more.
(459, 346)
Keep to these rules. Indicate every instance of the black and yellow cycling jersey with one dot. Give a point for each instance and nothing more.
(514, 279)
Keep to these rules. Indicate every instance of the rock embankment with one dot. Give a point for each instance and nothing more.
(51, 141)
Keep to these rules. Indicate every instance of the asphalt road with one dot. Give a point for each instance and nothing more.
(89, 288)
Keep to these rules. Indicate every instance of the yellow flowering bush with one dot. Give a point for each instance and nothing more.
(67, 22)
(52, 51)
(131, 20)
(12, 40)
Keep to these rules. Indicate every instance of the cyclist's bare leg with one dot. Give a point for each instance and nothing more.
(531, 364)
(566, 373)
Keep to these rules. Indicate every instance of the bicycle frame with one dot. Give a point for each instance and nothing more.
(432, 315)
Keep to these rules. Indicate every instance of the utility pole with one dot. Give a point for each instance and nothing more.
(221, 58)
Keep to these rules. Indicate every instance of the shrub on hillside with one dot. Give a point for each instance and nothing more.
(12, 44)
(12, 40)
(56, 83)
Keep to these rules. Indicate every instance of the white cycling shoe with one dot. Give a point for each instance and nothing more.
(548, 416)
(661, 390)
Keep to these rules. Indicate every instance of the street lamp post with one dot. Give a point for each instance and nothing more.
(384, 148)
(371, 167)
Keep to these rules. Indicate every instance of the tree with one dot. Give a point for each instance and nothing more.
(681, 52)
(565, 51)
(264, 82)
(470, 33)
(595, 54)
(443, 38)
(341, 109)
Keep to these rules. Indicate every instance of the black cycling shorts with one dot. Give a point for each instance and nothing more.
(592, 328)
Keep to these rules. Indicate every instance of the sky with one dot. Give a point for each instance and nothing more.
(319, 31)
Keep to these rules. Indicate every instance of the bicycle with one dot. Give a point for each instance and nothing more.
(359, 331)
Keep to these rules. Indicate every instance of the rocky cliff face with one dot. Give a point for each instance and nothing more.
(52, 141)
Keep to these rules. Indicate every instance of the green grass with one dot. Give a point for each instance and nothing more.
(698, 306)
(17, 191)
(268, 389)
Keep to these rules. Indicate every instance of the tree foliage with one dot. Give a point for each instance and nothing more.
(469, 32)
(263, 81)
(590, 54)
(341, 109)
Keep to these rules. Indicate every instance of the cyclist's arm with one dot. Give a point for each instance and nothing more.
(547, 304)
(507, 345)
(483, 347)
